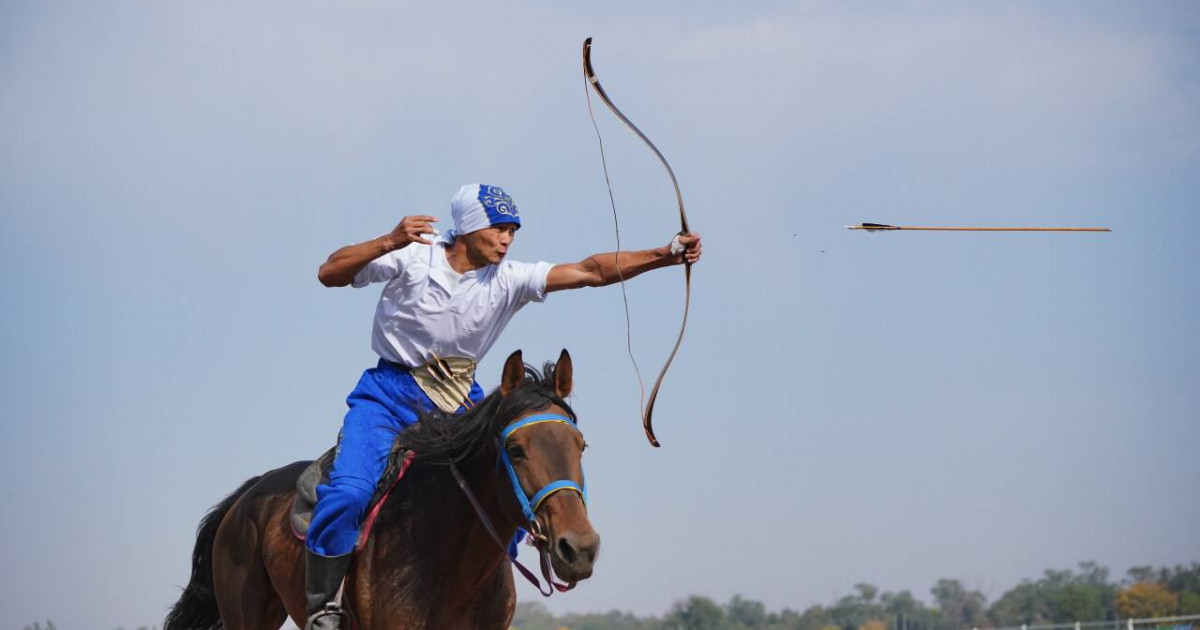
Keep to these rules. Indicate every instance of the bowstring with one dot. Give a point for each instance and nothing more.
(617, 231)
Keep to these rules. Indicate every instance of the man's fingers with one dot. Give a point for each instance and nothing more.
(691, 244)
(416, 221)
(415, 233)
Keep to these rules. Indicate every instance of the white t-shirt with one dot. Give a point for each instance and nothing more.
(427, 305)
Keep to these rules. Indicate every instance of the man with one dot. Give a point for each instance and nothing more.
(443, 307)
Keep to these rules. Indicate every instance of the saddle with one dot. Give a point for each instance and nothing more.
(317, 473)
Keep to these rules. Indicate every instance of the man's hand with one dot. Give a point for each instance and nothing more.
(411, 230)
(343, 264)
(687, 246)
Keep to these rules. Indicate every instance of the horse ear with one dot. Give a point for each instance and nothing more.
(563, 375)
(514, 374)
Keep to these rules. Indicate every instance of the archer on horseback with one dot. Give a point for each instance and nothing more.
(444, 304)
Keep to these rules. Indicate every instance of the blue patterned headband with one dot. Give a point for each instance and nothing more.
(477, 206)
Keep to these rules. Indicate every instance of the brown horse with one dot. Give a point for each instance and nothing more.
(430, 561)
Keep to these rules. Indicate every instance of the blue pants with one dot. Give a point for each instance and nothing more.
(386, 401)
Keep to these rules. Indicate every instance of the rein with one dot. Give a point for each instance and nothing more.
(529, 505)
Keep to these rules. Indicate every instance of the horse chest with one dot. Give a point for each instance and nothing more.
(422, 597)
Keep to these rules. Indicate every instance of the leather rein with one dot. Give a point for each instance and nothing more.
(529, 504)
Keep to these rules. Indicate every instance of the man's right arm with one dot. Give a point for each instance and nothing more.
(345, 263)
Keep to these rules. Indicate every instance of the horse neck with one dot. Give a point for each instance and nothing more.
(487, 482)
(448, 546)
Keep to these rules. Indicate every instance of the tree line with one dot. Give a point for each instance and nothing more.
(1058, 596)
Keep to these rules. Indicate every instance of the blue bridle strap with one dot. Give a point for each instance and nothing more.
(530, 505)
(535, 419)
(551, 488)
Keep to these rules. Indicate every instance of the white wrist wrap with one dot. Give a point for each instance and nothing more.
(676, 247)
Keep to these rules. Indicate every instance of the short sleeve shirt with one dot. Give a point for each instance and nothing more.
(428, 306)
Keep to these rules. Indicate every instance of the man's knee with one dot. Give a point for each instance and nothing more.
(348, 494)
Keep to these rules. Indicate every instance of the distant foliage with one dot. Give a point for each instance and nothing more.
(874, 624)
(1147, 599)
(698, 613)
(1058, 596)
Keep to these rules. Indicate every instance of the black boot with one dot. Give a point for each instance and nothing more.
(323, 576)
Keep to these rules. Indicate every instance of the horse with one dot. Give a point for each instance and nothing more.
(434, 560)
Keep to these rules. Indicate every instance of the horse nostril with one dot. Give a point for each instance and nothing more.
(566, 550)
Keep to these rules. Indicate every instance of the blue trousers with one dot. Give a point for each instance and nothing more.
(385, 402)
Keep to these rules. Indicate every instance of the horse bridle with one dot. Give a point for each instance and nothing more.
(529, 504)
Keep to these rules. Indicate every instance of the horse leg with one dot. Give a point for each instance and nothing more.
(245, 595)
(284, 560)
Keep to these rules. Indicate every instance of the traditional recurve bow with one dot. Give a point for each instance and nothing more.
(648, 406)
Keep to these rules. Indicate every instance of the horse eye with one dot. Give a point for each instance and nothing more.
(515, 451)
(585, 445)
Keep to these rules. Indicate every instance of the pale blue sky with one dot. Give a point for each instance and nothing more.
(889, 408)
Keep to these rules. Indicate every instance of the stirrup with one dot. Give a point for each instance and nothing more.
(331, 608)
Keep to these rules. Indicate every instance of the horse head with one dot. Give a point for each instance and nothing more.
(542, 450)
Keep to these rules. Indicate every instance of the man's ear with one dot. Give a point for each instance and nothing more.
(514, 374)
(563, 375)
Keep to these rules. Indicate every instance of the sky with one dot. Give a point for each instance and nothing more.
(846, 407)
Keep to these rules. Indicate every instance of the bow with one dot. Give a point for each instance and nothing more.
(648, 407)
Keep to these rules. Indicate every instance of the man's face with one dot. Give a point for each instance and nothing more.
(491, 243)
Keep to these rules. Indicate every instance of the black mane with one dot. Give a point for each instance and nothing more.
(442, 438)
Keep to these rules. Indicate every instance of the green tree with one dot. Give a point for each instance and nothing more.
(1182, 579)
(786, 619)
(960, 608)
(611, 620)
(697, 613)
(815, 618)
(745, 613)
(1145, 573)
(1189, 603)
(1083, 602)
(533, 616)
(1088, 596)
(852, 611)
(909, 613)
(1058, 597)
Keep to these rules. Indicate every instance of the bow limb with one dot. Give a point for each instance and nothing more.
(590, 74)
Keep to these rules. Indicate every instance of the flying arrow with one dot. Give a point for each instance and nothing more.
(881, 227)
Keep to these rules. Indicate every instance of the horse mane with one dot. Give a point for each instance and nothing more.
(440, 438)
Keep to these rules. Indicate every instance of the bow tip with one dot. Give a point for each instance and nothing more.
(653, 440)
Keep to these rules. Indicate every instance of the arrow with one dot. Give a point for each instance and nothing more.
(881, 227)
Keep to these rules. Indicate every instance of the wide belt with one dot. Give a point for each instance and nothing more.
(446, 380)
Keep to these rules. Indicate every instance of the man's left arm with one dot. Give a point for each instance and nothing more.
(601, 270)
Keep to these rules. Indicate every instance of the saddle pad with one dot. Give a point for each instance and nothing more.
(317, 473)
